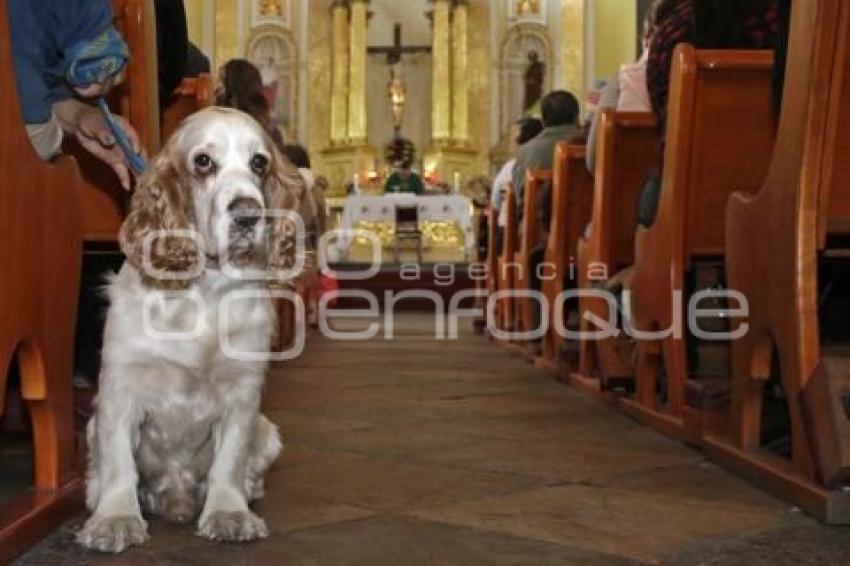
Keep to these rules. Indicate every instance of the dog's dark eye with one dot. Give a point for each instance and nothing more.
(259, 163)
(204, 164)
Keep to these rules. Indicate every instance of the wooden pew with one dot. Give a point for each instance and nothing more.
(492, 257)
(40, 242)
(572, 197)
(626, 149)
(530, 236)
(137, 99)
(193, 94)
(505, 265)
(719, 139)
(775, 241)
(483, 258)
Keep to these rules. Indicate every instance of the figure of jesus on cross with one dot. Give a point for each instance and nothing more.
(396, 88)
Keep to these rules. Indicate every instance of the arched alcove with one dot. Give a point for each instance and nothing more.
(521, 41)
(273, 50)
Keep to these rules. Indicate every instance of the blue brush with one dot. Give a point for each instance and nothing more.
(136, 161)
(93, 61)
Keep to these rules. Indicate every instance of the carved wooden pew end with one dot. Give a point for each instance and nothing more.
(826, 410)
(570, 205)
(626, 149)
(712, 94)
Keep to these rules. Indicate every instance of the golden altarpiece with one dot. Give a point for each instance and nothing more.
(463, 63)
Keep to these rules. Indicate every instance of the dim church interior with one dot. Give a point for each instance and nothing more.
(423, 424)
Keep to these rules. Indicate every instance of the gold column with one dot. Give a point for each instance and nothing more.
(357, 123)
(572, 47)
(460, 72)
(339, 84)
(226, 32)
(195, 20)
(441, 105)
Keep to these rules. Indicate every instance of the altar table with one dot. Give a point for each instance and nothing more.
(382, 209)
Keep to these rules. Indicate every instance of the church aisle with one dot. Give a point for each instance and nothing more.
(414, 451)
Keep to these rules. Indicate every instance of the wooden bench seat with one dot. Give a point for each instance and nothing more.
(530, 236)
(719, 139)
(775, 243)
(40, 243)
(137, 100)
(626, 150)
(492, 260)
(572, 197)
(505, 319)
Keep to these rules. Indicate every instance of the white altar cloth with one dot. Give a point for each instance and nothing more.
(382, 209)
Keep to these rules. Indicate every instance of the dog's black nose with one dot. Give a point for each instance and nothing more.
(247, 222)
(246, 213)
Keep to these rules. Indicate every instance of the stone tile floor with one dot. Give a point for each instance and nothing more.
(416, 451)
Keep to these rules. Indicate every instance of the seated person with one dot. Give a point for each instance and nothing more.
(560, 113)
(721, 24)
(529, 128)
(404, 180)
(240, 86)
(172, 46)
(626, 91)
(45, 36)
(312, 206)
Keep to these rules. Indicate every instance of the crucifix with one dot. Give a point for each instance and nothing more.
(396, 90)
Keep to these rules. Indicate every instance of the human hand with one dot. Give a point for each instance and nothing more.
(99, 89)
(92, 131)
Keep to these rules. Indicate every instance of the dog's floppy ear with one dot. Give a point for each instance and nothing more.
(284, 231)
(161, 226)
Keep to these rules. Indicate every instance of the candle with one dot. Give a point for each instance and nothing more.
(457, 181)
(356, 183)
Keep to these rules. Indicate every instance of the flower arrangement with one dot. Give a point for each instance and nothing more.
(400, 152)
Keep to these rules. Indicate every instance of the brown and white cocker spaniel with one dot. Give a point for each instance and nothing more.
(177, 430)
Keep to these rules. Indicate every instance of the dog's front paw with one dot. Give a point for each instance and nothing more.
(233, 526)
(113, 534)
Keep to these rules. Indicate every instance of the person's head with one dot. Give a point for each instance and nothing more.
(719, 24)
(241, 87)
(528, 130)
(559, 108)
(297, 155)
(533, 57)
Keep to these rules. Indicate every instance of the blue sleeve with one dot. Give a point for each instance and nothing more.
(26, 20)
(41, 30)
(73, 21)
(77, 20)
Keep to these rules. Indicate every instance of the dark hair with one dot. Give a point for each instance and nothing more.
(243, 88)
(297, 155)
(719, 24)
(559, 109)
(528, 130)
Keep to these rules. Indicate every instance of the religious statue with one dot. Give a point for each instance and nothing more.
(397, 93)
(535, 75)
(529, 7)
(273, 58)
(268, 73)
(271, 8)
